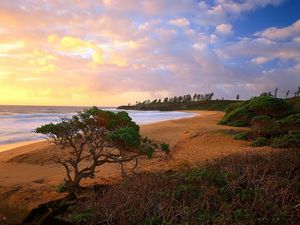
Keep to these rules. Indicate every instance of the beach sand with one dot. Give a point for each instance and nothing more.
(28, 176)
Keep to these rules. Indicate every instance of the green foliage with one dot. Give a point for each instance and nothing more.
(240, 116)
(241, 136)
(234, 106)
(61, 188)
(295, 103)
(117, 127)
(265, 105)
(126, 137)
(242, 113)
(290, 123)
(150, 151)
(291, 140)
(261, 121)
(269, 118)
(259, 142)
(165, 147)
(83, 216)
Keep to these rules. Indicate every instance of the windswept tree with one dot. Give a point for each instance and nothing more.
(275, 93)
(92, 138)
(287, 93)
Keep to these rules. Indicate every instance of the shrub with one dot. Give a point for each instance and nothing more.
(290, 123)
(234, 106)
(261, 121)
(241, 136)
(259, 142)
(295, 103)
(265, 105)
(291, 140)
(239, 117)
(165, 147)
(82, 217)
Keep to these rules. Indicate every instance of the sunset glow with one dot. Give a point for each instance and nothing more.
(113, 52)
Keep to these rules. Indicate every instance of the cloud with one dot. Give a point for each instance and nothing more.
(8, 47)
(180, 22)
(224, 29)
(278, 34)
(260, 60)
(111, 52)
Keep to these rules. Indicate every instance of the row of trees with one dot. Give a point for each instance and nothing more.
(178, 99)
(287, 94)
(206, 97)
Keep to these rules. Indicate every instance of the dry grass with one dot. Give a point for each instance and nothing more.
(240, 189)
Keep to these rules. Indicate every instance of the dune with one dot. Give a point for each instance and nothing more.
(28, 175)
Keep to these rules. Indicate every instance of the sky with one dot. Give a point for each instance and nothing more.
(112, 52)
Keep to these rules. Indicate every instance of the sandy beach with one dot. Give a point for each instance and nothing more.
(28, 176)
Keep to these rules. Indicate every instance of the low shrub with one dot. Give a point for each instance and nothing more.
(290, 123)
(82, 216)
(291, 140)
(259, 142)
(165, 147)
(238, 117)
(241, 136)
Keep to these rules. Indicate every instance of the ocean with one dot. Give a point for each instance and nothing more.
(17, 123)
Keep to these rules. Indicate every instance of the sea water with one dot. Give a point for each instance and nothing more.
(17, 123)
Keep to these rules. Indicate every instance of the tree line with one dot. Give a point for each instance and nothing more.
(287, 94)
(179, 99)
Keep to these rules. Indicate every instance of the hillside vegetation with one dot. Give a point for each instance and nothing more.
(239, 189)
(273, 121)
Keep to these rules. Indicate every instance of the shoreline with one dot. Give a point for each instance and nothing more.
(8, 147)
(13, 146)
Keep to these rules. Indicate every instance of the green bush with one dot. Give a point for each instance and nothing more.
(126, 137)
(234, 106)
(290, 123)
(165, 147)
(240, 136)
(83, 216)
(239, 117)
(265, 105)
(291, 140)
(261, 121)
(295, 103)
(259, 142)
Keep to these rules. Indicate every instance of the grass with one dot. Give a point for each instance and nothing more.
(256, 188)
